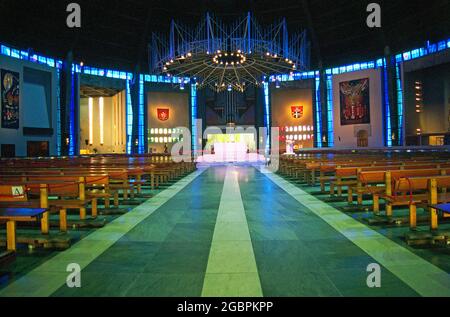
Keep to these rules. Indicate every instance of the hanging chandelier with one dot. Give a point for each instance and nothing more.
(226, 57)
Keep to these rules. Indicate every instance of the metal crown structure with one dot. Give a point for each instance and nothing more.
(233, 56)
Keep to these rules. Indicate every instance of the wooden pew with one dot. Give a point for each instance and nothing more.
(12, 196)
(347, 175)
(413, 191)
(388, 177)
(97, 186)
(15, 195)
(368, 178)
(13, 215)
(70, 192)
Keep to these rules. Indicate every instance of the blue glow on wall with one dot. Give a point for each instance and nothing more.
(330, 123)
(34, 58)
(129, 117)
(387, 108)
(293, 76)
(103, 72)
(141, 125)
(72, 116)
(194, 112)
(399, 87)
(58, 113)
(165, 79)
(267, 110)
(318, 113)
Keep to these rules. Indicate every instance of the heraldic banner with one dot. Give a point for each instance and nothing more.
(10, 99)
(297, 112)
(163, 114)
(355, 102)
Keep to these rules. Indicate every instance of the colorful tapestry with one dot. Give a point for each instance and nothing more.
(355, 102)
(10, 99)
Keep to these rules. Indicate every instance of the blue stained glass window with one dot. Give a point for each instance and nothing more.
(24, 55)
(15, 53)
(399, 102)
(129, 117)
(318, 128)
(432, 48)
(267, 114)
(58, 113)
(330, 123)
(407, 56)
(72, 116)
(5, 50)
(194, 110)
(387, 111)
(141, 124)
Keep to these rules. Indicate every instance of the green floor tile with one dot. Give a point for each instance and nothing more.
(166, 285)
(232, 285)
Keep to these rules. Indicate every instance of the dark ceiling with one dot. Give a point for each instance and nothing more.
(115, 33)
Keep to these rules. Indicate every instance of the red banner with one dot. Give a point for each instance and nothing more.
(163, 114)
(297, 112)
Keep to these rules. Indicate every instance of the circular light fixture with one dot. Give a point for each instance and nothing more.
(229, 58)
(222, 63)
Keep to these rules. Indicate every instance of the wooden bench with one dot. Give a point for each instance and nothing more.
(70, 193)
(443, 208)
(413, 191)
(97, 187)
(13, 215)
(16, 196)
(348, 176)
(369, 178)
(388, 178)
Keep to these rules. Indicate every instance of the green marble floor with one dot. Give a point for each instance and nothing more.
(234, 230)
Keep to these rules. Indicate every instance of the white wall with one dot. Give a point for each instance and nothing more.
(345, 136)
(178, 105)
(27, 106)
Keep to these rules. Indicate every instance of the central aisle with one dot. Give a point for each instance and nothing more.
(224, 231)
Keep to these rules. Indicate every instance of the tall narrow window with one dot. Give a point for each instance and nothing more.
(330, 111)
(129, 115)
(318, 113)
